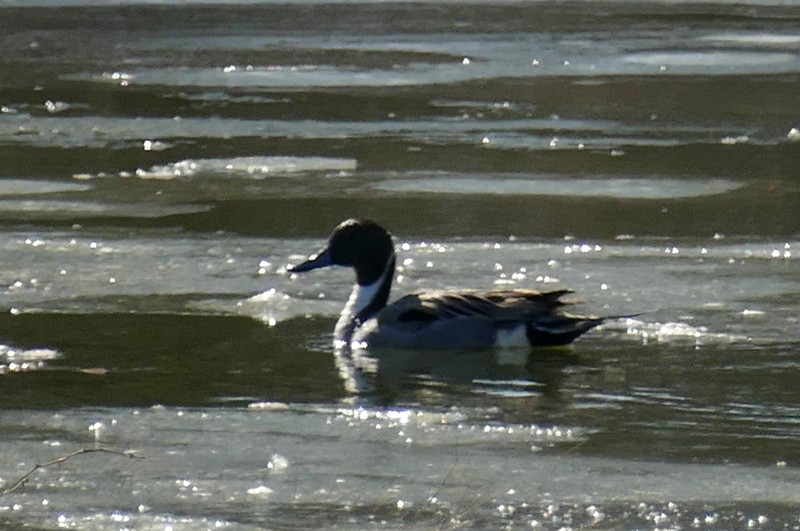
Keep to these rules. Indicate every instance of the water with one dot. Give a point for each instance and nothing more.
(161, 164)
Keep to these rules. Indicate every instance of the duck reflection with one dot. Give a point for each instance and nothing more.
(389, 373)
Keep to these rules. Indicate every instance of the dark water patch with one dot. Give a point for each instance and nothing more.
(143, 360)
(499, 216)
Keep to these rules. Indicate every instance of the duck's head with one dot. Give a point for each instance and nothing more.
(361, 244)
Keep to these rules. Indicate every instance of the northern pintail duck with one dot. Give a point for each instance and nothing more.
(447, 319)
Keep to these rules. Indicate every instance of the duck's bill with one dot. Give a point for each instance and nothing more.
(321, 259)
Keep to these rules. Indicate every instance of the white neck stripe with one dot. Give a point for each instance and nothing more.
(361, 297)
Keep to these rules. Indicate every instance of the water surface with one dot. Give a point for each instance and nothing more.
(161, 168)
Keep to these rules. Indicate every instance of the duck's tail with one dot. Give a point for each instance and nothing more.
(563, 329)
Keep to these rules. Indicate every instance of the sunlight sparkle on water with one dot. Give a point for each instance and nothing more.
(21, 360)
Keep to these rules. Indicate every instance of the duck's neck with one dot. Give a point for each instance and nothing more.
(364, 303)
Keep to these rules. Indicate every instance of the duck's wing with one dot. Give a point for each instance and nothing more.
(519, 305)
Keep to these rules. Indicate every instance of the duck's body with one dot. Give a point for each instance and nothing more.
(477, 319)
(452, 319)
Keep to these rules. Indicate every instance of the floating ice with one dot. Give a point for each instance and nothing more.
(261, 491)
(764, 39)
(10, 187)
(633, 188)
(273, 306)
(302, 75)
(706, 59)
(278, 464)
(248, 167)
(269, 406)
(56, 209)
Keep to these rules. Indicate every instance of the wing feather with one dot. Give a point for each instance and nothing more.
(494, 305)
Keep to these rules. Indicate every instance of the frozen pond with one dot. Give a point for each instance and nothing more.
(162, 163)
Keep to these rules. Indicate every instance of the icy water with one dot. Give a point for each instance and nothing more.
(162, 163)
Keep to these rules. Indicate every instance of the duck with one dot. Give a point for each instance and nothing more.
(436, 319)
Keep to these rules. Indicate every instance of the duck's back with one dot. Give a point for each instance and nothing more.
(477, 319)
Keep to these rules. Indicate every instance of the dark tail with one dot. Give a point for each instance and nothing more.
(563, 329)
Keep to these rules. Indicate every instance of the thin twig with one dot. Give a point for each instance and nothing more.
(21, 482)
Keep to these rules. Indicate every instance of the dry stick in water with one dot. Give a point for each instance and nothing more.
(18, 484)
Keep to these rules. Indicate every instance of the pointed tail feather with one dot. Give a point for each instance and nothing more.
(564, 329)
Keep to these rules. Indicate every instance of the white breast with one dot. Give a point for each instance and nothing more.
(360, 297)
(514, 337)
